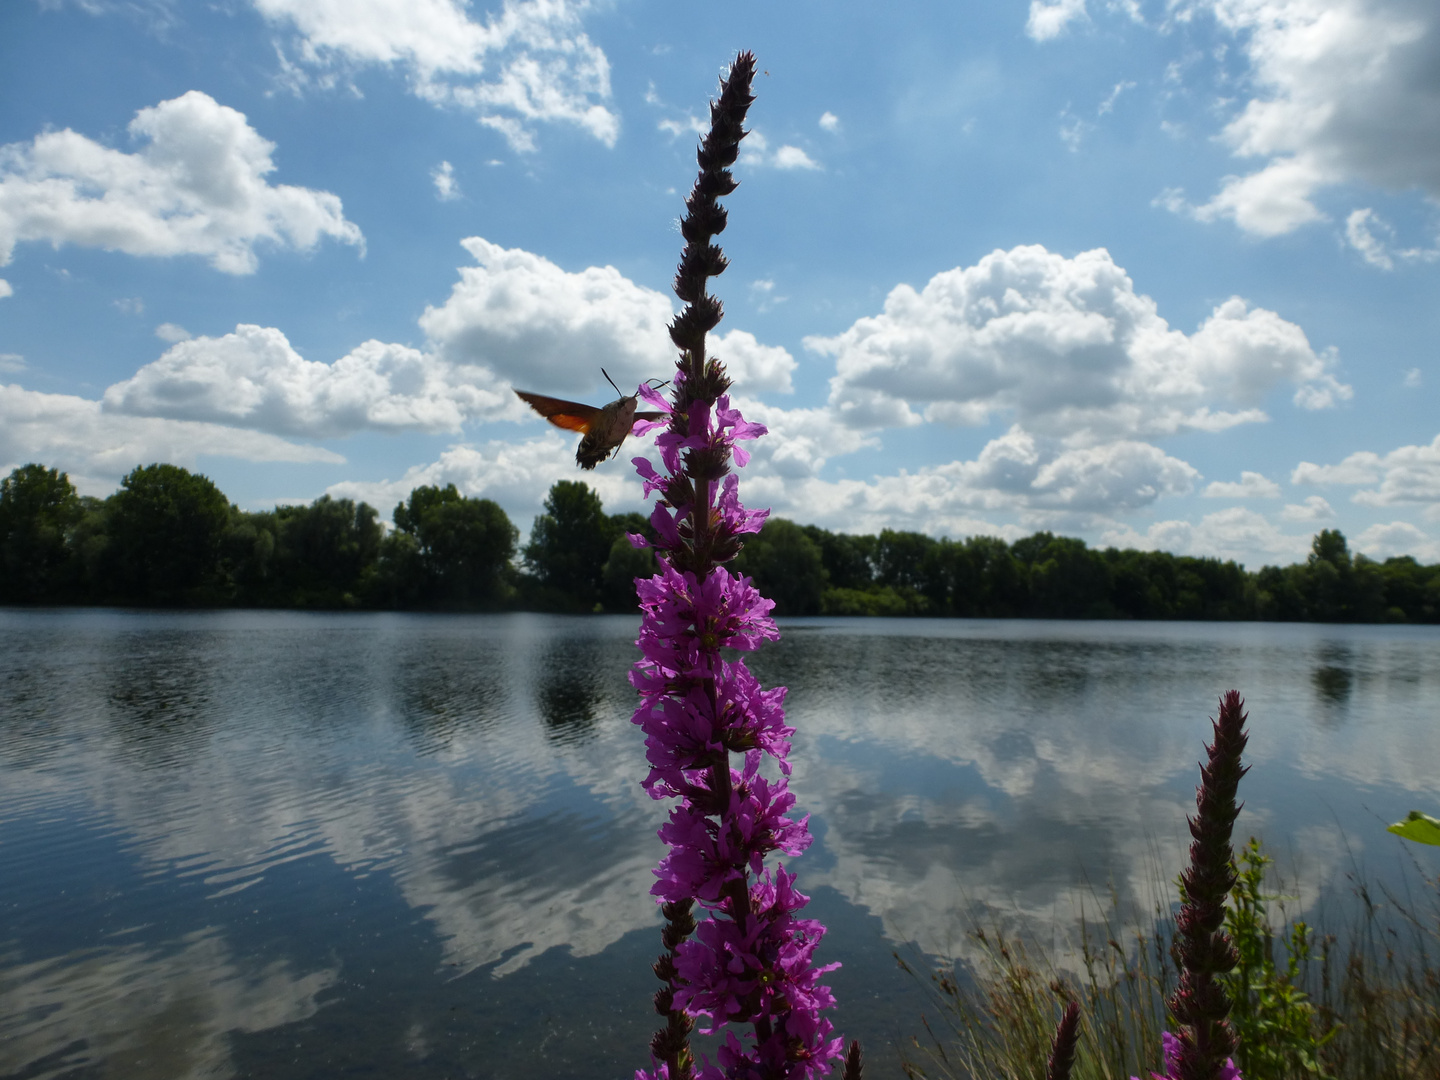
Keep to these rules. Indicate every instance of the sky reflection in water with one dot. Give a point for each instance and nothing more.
(283, 845)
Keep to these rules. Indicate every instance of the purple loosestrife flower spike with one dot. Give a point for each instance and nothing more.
(1202, 950)
(750, 960)
(1062, 1049)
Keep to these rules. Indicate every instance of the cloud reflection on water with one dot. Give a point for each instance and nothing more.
(140, 1012)
(1021, 772)
(956, 771)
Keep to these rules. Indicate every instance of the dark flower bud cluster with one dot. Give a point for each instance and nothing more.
(1062, 1048)
(1202, 949)
(1202, 1046)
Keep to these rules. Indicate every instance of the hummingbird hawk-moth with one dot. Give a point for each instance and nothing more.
(602, 429)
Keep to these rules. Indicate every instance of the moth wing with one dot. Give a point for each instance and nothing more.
(570, 415)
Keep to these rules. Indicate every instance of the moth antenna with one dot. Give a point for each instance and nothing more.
(610, 381)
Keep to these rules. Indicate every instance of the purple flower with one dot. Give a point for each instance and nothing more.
(731, 427)
(1174, 1049)
(707, 855)
(687, 621)
(690, 729)
(761, 969)
(731, 515)
(666, 526)
(751, 960)
(653, 481)
(651, 396)
(751, 717)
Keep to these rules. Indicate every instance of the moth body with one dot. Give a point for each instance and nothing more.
(602, 429)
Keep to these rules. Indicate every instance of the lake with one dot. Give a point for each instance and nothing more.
(286, 845)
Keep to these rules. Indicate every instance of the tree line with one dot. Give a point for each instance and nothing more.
(809, 570)
(170, 538)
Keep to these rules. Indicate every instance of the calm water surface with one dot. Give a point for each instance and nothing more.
(282, 845)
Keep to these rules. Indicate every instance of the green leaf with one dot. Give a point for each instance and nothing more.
(1422, 828)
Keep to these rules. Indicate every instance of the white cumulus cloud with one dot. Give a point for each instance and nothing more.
(1313, 508)
(800, 441)
(792, 157)
(1252, 485)
(98, 447)
(752, 366)
(1235, 533)
(1270, 202)
(1397, 538)
(1344, 92)
(528, 63)
(6, 289)
(517, 475)
(253, 378)
(1360, 229)
(516, 319)
(1039, 480)
(546, 329)
(1049, 21)
(1374, 239)
(447, 188)
(1408, 474)
(755, 152)
(196, 187)
(1068, 348)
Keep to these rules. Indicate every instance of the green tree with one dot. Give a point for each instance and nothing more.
(569, 545)
(1367, 595)
(1141, 586)
(900, 559)
(624, 564)
(398, 579)
(38, 509)
(847, 558)
(322, 552)
(165, 526)
(787, 566)
(1412, 591)
(1338, 586)
(90, 543)
(247, 553)
(1000, 581)
(1281, 594)
(944, 573)
(1328, 582)
(1067, 579)
(463, 547)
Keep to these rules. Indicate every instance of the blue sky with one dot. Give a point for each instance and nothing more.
(1154, 274)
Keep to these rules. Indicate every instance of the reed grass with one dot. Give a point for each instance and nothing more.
(1357, 999)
